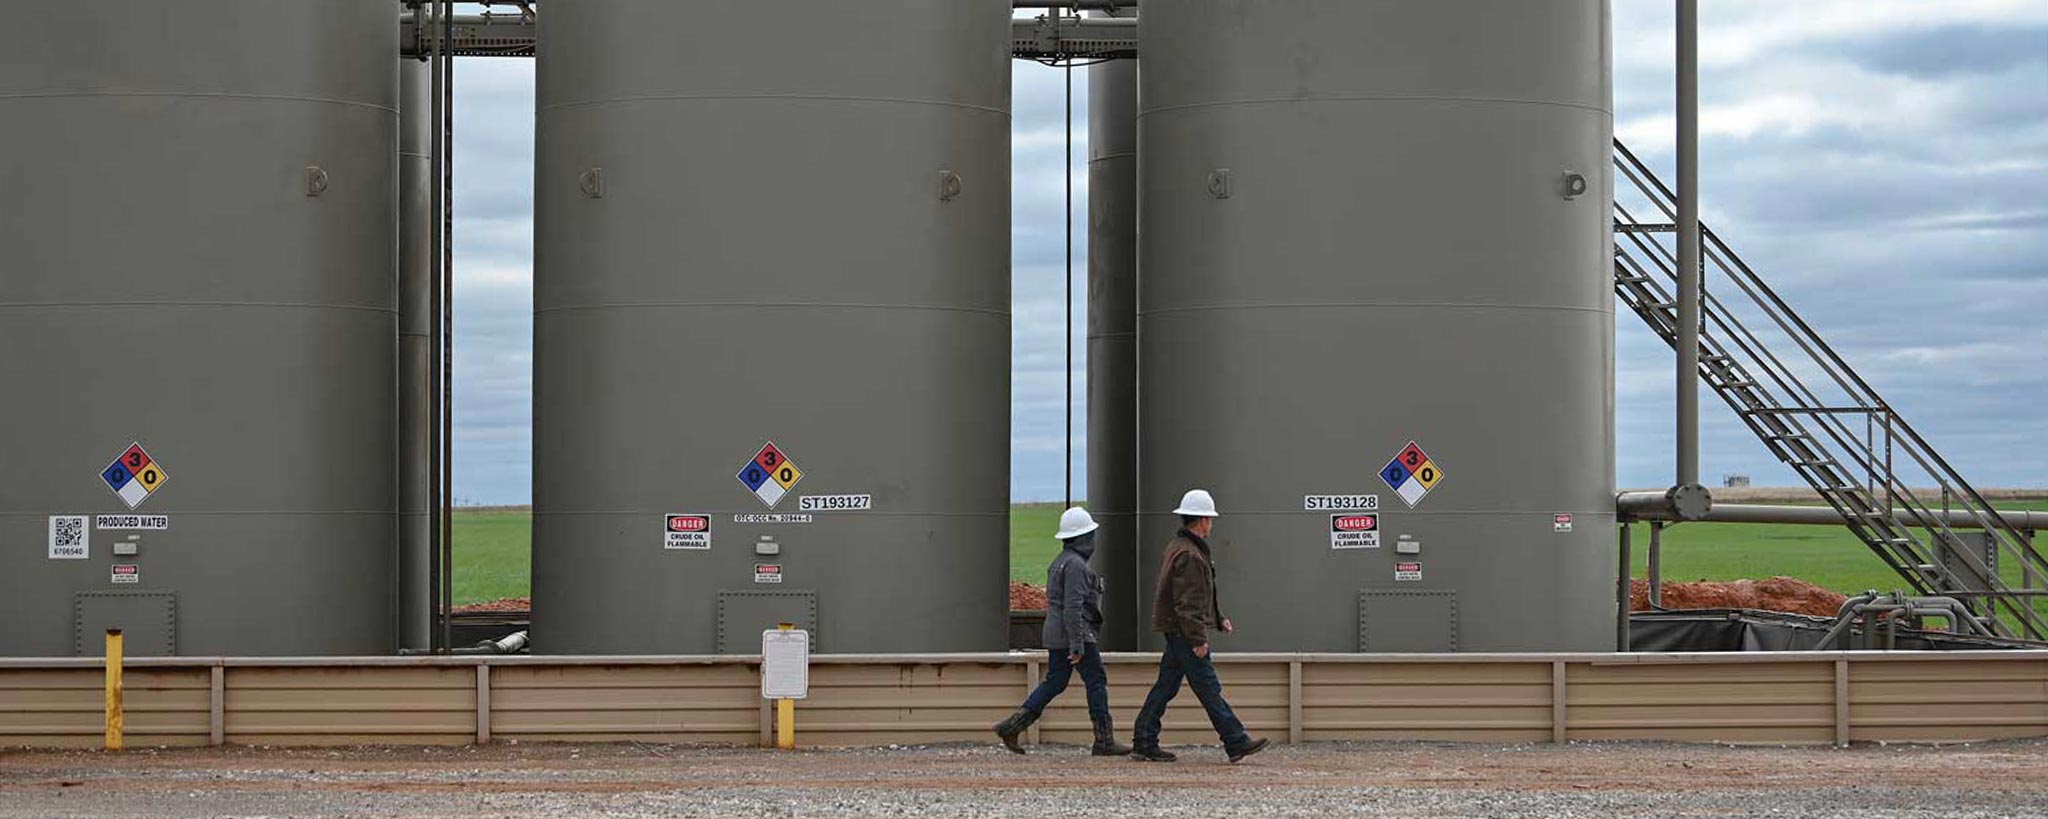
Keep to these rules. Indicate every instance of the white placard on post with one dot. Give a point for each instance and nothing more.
(785, 664)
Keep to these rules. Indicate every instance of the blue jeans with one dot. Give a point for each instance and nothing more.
(1177, 662)
(1058, 671)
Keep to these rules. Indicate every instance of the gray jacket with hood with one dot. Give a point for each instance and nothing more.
(1073, 597)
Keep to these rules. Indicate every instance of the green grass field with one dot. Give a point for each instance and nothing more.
(491, 552)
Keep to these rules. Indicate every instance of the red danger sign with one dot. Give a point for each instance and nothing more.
(686, 532)
(1354, 531)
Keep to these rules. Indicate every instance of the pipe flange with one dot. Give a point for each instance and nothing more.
(1690, 501)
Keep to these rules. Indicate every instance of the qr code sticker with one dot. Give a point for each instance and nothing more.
(68, 535)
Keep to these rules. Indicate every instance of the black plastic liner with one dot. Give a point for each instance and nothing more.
(1749, 630)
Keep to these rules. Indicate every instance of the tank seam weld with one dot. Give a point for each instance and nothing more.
(202, 94)
(1403, 512)
(621, 306)
(1106, 157)
(187, 512)
(303, 306)
(806, 97)
(1124, 334)
(1004, 512)
(1430, 304)
(1376, 98)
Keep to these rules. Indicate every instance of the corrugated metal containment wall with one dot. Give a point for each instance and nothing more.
(1367, 268)
(198, 311)
(1767, 698)
(772, 325)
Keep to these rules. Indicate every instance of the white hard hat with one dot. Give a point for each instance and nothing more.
(1197, 504)
(1074, 523)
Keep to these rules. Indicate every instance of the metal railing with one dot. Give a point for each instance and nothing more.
(1814, 413)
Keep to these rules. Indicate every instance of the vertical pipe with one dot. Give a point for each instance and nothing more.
(1621, 594)
(432, 224)
(1688, 245)
(115, 717)
(1656, 565)
(447, 325)
(1112, 342)
(1067, 289)
(416, 253)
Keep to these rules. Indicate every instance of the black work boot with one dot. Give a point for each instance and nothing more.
(1105, 739)
(1013, 727)
(1152, 753)
(1247, 749)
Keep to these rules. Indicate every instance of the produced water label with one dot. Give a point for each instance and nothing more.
(772, 518)
(1340, 503)
(836, 503)
(686, 532)
(132, 522)
(1354, 531)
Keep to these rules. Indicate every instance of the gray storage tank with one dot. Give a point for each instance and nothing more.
(772, 325)
(1362, 228)
(197, 262)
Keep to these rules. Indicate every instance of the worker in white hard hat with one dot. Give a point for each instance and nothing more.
(1073, 616)
(1184, 608)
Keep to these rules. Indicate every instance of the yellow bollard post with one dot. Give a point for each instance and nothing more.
(785, 713)
(114, 689)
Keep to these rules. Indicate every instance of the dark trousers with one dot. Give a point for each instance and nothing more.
(1058, 671)
(1177, 662)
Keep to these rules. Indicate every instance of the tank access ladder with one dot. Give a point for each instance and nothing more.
(1819, 417)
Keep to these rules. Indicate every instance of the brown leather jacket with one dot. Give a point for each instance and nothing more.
(1185, 602)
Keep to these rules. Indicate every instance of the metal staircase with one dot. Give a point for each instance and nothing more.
(1825, 422)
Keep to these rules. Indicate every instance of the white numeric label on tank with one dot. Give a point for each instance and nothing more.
(1340, 503)
(836, 503)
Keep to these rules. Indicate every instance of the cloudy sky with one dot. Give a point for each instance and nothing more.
(1883, 163)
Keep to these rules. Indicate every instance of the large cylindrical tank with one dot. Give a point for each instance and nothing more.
(1113, 342)
(197, 313)
(416, 385)
(1364, 241)
(772, 325)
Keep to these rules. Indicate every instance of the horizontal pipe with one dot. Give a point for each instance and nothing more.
(1649, 506)
(1081, 5)
(408, 18)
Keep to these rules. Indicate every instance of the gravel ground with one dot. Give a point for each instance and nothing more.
(1406, 780)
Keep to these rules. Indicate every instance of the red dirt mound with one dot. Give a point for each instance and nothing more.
(1784, 594)
(502, 604)
(1026, 597)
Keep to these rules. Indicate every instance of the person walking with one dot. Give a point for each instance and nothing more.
(1185, 609)
(1073, 603)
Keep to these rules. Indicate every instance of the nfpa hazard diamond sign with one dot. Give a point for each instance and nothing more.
(1411, 474)
(770, 475)
(134, 476)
